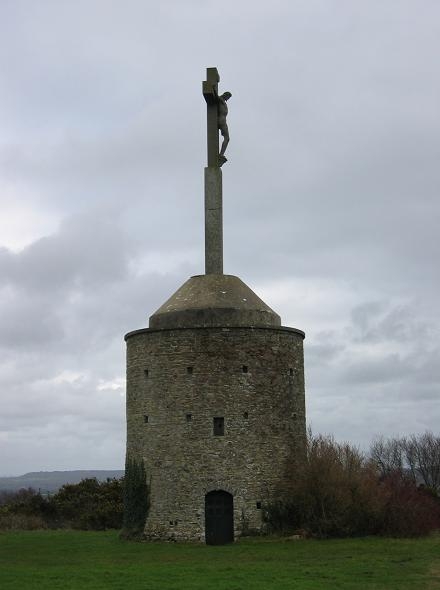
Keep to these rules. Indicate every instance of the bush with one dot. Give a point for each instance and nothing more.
(333, 493)
(21, 522)
(408, 510)
(88, 505)
(25, 509)
(338, 492)
(136, 499)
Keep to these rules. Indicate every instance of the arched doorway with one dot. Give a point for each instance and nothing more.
(219, 518)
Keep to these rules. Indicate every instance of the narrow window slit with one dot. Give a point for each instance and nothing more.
(219, 426)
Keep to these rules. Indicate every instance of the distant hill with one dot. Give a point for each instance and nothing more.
(51, 481)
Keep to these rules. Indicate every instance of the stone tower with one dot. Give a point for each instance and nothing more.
(215, 392)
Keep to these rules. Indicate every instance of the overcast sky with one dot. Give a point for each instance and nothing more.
(331, 203)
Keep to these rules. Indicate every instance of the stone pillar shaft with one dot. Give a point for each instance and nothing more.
(213, 221)
(212, 127)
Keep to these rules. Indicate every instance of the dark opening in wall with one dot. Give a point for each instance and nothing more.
(258, 505)
(245, 415)
(146, 373)
(189, 370)
(291, 372)
(219, 426)
(189, 417)
(145, 419)
(244, 369)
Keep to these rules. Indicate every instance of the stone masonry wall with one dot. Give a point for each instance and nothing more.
(177, 382)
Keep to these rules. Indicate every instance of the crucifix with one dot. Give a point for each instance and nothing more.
(217, 111)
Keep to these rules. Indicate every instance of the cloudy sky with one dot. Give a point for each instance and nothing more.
(331, 203)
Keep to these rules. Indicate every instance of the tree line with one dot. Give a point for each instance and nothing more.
(335, 491)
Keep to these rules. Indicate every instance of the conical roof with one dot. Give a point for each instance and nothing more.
(214, 300)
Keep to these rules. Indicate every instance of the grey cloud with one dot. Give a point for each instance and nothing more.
(323, 353)
(28, 320)
(377, 320)
(64, 444)
(380, 370)
(88, 249)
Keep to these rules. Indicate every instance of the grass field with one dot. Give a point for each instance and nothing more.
(89, 560)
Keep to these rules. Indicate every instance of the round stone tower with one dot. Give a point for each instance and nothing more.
(215, 398)
(215, 408)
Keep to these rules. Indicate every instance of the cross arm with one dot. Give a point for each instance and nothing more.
(210, 86)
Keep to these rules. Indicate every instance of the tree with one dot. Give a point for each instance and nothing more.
(333, 492)
(388, 455)
(422, 454)
(415, 456)
(136, 498)
(90, 504)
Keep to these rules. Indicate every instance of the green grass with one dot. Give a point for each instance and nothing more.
(89, 560)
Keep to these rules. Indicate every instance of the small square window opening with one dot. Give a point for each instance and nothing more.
(219, 426)
(189, 370)
(244, 369)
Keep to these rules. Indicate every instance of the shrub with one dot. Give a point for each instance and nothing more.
(333, 492)
(136, 499)
(337, 491)
(408, 510)
(90, 504)
(21, 522)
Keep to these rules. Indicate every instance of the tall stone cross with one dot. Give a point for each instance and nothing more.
(216, 119)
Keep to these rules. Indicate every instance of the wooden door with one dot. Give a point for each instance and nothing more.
(219, 518)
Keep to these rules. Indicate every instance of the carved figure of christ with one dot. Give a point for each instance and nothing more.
(217, 111)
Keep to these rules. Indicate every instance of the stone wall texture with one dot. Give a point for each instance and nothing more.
(178, 381)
